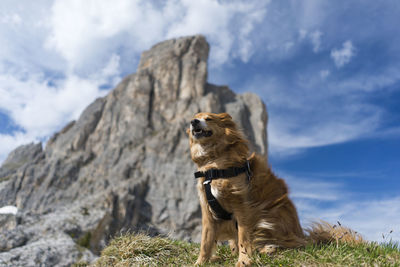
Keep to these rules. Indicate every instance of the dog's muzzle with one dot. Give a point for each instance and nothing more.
(197, 129)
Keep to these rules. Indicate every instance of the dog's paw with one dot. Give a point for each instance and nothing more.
(233, 246)
(215, 258)
(242, 262)
(200, 261)
(268, 249)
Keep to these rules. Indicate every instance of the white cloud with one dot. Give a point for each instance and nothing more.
(78, 37)
(112, 67)
(316, 40)
(301, 188)
(13, 19)
(23, 28)
(324, 73)
(227, 25)
(344, 55)
(314, 37)
(93, 28)
(111, 73)
(286, 139)
(371, 82)
(302, 34)
(40, 108)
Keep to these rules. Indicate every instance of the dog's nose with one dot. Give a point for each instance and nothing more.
(194, 122)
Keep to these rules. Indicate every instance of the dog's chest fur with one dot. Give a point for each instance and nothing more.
(198, 151)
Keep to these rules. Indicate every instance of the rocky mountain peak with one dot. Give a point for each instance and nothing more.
(124, 165)
(180, 66)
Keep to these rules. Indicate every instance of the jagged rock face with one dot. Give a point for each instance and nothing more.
(124, 164)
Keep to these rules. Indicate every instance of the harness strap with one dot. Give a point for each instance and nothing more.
(220, 212)
(212, 174)
(225, 173)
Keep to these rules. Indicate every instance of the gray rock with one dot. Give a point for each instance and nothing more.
(124, 165)
(18, 158)
(50, 250)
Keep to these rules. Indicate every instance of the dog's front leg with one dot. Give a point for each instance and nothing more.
(244, 245)
(208, 239)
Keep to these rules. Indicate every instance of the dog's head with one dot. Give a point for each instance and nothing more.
(214, 130)
(204, 127)
(211, 134)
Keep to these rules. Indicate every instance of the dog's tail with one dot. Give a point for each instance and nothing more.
(324, 233)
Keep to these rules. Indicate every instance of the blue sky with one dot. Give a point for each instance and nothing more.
(328, 71)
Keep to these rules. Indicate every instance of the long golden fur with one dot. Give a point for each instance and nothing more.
(264, 215)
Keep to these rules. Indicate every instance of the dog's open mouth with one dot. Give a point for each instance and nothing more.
(198, 132)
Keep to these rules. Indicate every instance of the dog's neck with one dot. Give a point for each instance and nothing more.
(217, 157)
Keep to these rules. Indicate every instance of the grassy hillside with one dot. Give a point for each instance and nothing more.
(142, 250)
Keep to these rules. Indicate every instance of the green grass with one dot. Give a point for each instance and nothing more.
(142, 250)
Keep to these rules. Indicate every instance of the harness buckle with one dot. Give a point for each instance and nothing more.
(207, 182)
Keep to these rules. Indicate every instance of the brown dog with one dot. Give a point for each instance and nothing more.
(263, 216)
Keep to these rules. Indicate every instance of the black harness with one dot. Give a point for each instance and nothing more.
(212, 174)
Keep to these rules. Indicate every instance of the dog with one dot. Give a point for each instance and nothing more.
(241, 199)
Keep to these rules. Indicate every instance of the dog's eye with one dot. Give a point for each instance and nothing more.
(208, 119)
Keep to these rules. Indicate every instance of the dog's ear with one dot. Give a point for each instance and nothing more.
(188, 131)
(226, 120)
(224, 116)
